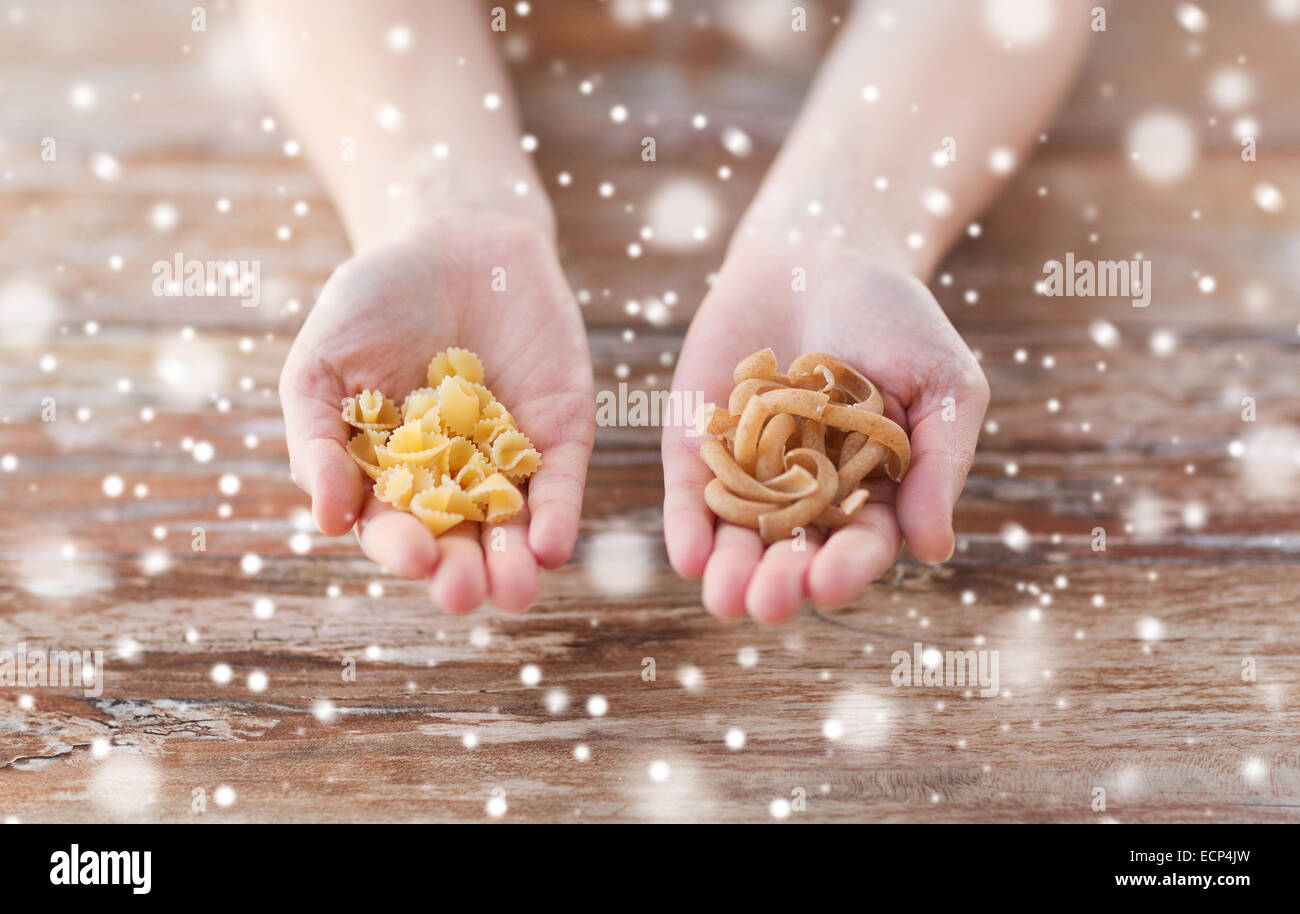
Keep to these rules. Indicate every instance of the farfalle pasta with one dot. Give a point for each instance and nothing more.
(411, 444)
(514, 455)
(370, 410)
(792, 449)
(362, 449)
(449, 453)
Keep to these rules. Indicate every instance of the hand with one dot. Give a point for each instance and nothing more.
(379, 320)
(886, 324)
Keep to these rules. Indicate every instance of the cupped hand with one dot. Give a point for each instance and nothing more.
(838, 299)
(486, 282)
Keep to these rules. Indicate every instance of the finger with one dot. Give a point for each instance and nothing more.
(736, 551)
(688, 523)
(511, 567)
(942, 454)
(396, 540)
(460, 582)
(854, 556)
(318, 461)
(777, 589)
(701, 377)
(555, 502)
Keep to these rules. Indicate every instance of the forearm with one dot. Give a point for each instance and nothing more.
(396, 134)
(861, 160)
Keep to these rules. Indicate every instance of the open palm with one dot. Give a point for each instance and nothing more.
(839, 300)
(487, 283)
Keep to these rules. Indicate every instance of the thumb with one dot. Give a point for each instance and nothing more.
(943, 449)
(317, 440)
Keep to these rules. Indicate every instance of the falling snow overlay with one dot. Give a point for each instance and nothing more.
(617, 202)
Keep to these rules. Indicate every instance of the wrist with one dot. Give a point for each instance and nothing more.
(887, 207)
(419, 186)
(796, 219)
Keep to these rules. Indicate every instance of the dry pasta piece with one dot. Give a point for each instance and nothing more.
(820, 378)
(806, 403)
(853, 470)
(423, 480)
(761, 364)
(474, 471)
(743, 392)
(779, 524)
(449, 497)
(410, 444)
(732, 508)
(829, 413)
(455, 362)
(773, 522)
(853, 382)
(485, 397)
(361, 448)
(841, 514)
(499, 497)
(795, 483)
(813, 436)
(853, 442)
(395, 486)
(461, 452)
(494, 419)
(771, 445)
(513, 454)
(878, 428)
(710, 420)
(458, 406)
(448, 440)
(438, 522)
(422, 404)
(370, 410)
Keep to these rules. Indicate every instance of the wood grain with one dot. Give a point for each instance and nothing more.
(1119, 670)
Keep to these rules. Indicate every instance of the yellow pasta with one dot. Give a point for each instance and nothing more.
(460, 363)
(458, 406)
(450, 498)
(410, 444)
(499, 496)
(396, 485)
(362, 449)
(422, 404)
(460, 453)
(513, 454)
(370, 410)
(438, 522)
(493, 420)
(423, 480)
(833, 417)
(450, 453)
(474, 471)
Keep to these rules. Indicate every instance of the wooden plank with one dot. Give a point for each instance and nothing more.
(1119, 669)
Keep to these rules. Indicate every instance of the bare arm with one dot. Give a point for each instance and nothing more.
(859, 202)
(894, 87)
(433, 127)
(417, 142)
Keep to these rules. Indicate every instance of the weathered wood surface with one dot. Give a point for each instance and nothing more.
(1142, 695)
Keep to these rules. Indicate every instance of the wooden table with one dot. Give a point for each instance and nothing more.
(1120, 670)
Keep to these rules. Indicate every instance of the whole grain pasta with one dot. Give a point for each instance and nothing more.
(793, 449)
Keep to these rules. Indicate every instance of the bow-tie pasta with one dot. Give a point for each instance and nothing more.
(410, 444)
(370, 410)
(362, 448)
(450, 453)
(453, 362)
(513, 454)
(422, 406)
